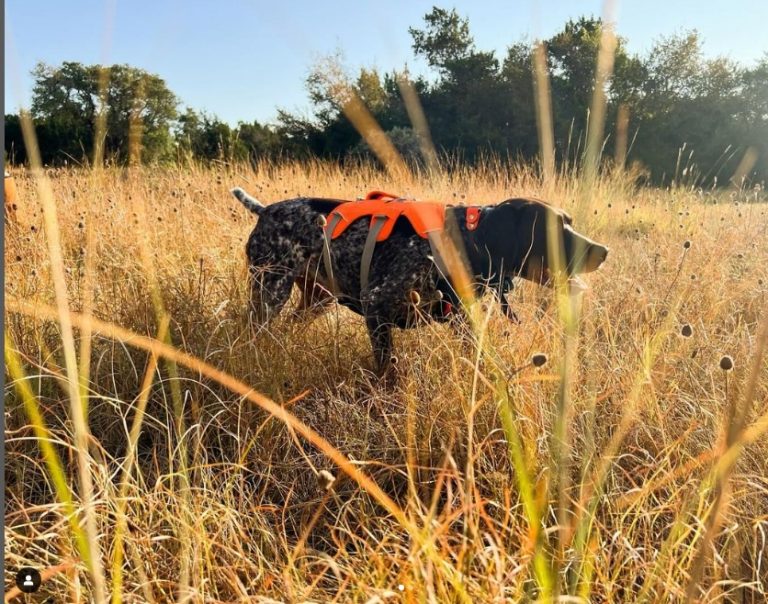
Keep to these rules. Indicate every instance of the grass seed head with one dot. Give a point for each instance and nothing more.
(539, 359)
(686, 331)
(726, 363)
(325, 479)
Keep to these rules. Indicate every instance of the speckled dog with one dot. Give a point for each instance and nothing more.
(508, 240)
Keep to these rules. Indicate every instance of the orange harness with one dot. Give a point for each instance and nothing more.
(425, 216)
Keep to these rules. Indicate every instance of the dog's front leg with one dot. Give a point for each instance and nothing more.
(315, 297)
(506, 308)
(506, 287)
(380, 333)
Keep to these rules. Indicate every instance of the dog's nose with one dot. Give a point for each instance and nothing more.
(602, 252)
(596, 256)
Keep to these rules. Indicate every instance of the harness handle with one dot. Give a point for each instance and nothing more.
(380, 195)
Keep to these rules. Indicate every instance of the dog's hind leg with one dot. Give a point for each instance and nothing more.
(275, 264)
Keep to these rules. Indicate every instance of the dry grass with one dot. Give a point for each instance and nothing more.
(219, 501)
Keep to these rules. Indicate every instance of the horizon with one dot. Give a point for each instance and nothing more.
(101, 31)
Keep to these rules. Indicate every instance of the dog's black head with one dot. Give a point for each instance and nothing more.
(532, 239)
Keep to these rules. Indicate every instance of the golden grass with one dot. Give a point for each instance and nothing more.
(199, 493)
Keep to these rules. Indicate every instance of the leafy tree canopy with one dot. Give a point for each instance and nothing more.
(688, 115)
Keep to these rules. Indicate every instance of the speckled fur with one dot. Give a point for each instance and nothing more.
(285, 248)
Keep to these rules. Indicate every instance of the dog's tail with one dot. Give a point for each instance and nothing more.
(251, 203)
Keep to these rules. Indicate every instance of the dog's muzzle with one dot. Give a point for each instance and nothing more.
(596, 255)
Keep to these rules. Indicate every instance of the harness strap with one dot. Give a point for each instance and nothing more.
(377, 223)
(437, 258)
(334, 220)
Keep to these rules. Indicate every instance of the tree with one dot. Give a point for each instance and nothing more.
(206, 137)
(572, 55)
(753, 115)
(15, 151)
(133, 105)
(405, 140)
(256, 142)
(520, 123)
(688, 115)
(673, 99)
(444, 40)
(467, 103)
(370, 89)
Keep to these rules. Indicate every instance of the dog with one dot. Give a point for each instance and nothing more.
(404, 279)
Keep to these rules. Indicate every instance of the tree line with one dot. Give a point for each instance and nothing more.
(685, 117)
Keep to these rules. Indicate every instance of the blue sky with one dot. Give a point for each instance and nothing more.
(241, 59)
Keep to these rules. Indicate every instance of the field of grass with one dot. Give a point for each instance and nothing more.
(630, 467)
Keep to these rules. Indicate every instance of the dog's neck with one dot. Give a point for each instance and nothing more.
(477, 255)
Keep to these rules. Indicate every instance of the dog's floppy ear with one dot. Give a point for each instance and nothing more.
(519, 229)
(499, 233)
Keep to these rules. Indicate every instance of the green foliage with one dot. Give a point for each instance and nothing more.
(202, 136)
(691, 119)
(15, 151)
(370, 89)
(700, 111)
(68, 101)
(405, 140)
(445, 40)
(256, 142)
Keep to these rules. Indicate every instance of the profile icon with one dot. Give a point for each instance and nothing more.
(28, 580)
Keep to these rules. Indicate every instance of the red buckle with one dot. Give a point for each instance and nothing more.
(473, 218)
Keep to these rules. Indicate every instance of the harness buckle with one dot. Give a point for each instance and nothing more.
(473, 217)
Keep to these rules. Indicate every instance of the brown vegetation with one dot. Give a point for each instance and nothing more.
(657, 484)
